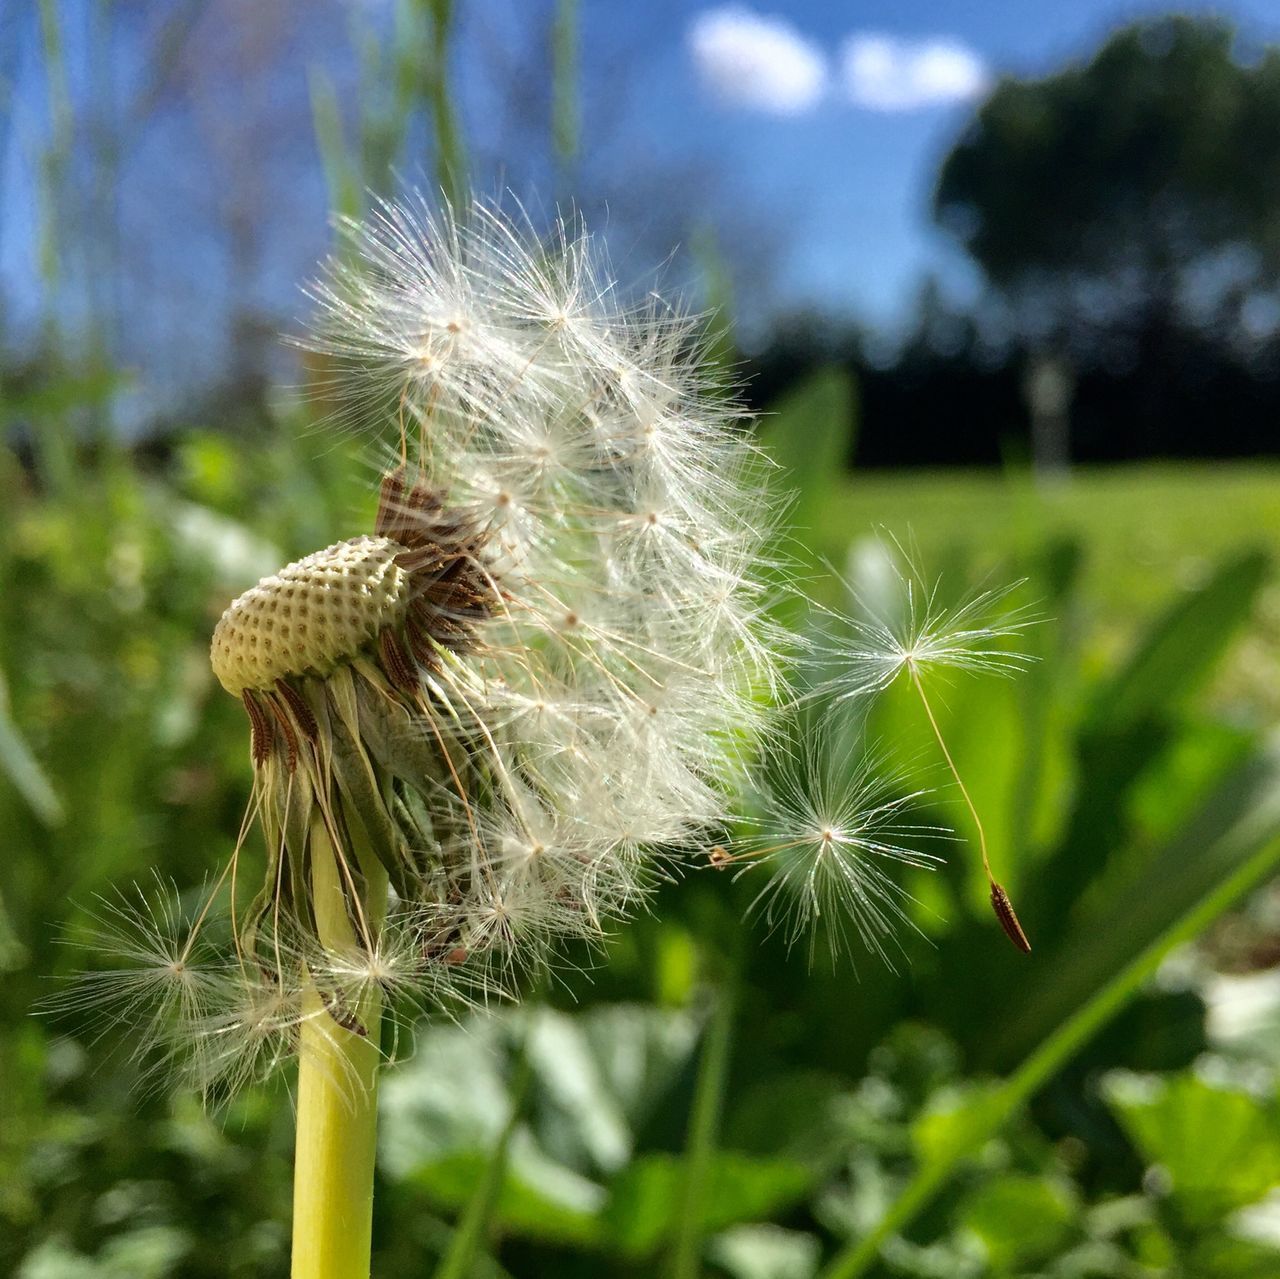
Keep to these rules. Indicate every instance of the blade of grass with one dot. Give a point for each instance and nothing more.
(20, 766)
(566, 120)
(451, 163)
(464, 1246)
(704, 1127)
(326, 123)
(1053, 1053)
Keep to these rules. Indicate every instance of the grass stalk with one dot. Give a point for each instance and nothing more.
(704, 1128)
(1045, 1062)
(459, 1261)
(337, 1106)
(566, 120)
(450, 157)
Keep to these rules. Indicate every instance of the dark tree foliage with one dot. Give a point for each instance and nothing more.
(1126, 214)
(1138, 191)
(948, 397)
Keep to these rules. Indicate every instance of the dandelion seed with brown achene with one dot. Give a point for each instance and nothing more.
(924, 634)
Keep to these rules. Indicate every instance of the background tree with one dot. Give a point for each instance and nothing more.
(1127, 210)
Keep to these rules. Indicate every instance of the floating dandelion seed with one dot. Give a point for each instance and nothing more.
(925, 634)
(832, 827)
(162, 973)
(920, 631)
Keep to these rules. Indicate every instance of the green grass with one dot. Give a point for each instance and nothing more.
(1143, 527)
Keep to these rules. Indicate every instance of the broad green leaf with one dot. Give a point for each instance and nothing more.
(809, 434)
(1249, 848)
(644, 1200)
(1220, 1255)
(1021, 1219)
(1240, 816)
(766, 1252)
(1220, 1146)
(536, 1200)
(1133, 725)
(1182, 647)
(953, 1120)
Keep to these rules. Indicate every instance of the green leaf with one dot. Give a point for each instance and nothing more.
(954, 1122)
(1220, 1146)
(1222, 1256)
(1239, 817)
(766, 1252)
(809, 433)
(1020, 1219)
(531, 1203)
(1182, 647)
(643, 1210)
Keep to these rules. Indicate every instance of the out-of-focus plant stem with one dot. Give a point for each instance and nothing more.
(459, 1261)
(566, 120)
(451, 162)
(704, 1128)
(1045, 1062)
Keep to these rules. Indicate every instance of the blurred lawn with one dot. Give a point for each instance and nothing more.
(1143, 527)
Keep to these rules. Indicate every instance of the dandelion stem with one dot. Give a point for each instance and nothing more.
(337, 1102)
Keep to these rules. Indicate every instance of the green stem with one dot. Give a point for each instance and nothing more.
(337, 1104)
(451, 160)
(1052, 1054)
(704, 1126)
(459, 1261)
(565, 119)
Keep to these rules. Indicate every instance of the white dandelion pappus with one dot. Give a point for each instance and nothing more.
(832, 827)
(917, 629)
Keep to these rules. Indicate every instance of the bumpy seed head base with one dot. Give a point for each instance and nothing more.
(312, 616)
(337, 659)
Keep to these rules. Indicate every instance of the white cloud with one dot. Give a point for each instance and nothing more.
(762, 63)
(887, 73)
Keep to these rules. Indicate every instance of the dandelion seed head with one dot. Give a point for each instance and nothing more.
(491, 723)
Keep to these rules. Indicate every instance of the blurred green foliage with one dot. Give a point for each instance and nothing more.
(698, 1100)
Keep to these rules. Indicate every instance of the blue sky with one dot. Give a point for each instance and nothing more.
(855, 181)
(831, 170)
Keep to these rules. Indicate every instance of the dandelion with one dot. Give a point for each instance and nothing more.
(498, 712)
(491, 722)
(831, 829)
(923, 635)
